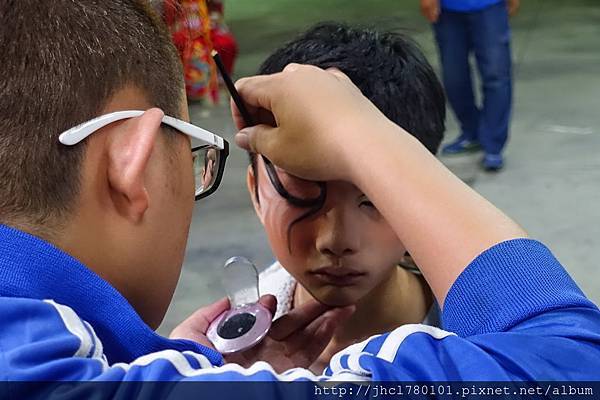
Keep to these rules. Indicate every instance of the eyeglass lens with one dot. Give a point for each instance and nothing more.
(206, 168)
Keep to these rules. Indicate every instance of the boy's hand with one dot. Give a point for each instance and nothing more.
(431, 10)
(309, 133)
(296, 339)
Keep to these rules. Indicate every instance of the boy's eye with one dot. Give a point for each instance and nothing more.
(297, 187)
(366, 203)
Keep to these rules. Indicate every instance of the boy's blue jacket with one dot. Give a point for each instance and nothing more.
(513, 314)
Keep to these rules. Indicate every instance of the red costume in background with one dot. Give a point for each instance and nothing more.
(197, 27)
(222, 38)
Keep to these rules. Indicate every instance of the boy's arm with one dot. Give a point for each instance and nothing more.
(443, 223)
(513, 314)
(513, 310)
(327, 130)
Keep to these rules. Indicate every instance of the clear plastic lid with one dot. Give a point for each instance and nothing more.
(240, 280)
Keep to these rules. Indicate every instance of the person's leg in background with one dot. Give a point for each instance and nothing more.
(452, 33)
(491, 42)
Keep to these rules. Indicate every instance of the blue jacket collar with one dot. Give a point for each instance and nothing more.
(33, 268)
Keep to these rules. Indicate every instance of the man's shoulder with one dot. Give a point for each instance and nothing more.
(18, 311)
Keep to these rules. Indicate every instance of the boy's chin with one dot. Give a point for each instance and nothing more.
(335, 296)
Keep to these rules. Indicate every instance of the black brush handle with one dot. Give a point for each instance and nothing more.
(235, 95)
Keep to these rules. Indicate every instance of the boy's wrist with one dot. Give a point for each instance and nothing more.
(360, 152)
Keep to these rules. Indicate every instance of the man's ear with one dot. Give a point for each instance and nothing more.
(129, 153)
(251, 183)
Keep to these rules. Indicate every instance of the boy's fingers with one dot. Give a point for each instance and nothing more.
(297, 319)
(306, 344)
(339, 74)
(242, 141)
(258, 91)
(238, 120)
(270, 302)
(291, 67)
(256, 139)
(259, 115)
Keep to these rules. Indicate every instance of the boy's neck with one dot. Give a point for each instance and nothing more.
(402, 298)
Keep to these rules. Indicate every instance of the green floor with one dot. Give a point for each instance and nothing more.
(261, 26)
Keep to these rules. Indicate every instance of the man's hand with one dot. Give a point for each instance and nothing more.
(304, 116)
(431, 10)
(297, 338)
(513, 7)
(196, 325)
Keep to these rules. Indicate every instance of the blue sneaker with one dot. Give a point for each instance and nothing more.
(492, 162)
(461, 146)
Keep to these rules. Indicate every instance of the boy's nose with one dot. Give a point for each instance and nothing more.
(337, 236)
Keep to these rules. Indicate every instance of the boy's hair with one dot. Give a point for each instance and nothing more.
(388, 68)
(62, 60)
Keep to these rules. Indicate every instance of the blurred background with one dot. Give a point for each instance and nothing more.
(551, 181)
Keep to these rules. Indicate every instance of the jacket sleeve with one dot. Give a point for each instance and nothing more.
(513, 314)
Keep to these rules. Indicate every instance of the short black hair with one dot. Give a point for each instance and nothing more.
(389, 69)
(62, 61)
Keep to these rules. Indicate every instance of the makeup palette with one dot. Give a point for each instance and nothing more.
(247, 322)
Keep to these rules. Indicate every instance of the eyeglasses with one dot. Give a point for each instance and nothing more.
(208, 159)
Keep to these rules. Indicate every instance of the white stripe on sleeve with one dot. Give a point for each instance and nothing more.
(392, 343)
(74, 325)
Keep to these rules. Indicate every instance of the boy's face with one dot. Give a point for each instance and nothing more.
(340, 254)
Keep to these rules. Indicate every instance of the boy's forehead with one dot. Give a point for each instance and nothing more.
(346, 188)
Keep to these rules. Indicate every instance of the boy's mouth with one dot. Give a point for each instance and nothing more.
(337, 276)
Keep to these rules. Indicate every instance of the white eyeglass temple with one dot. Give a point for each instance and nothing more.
(77, 134)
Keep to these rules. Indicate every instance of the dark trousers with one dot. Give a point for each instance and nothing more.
(486, 34)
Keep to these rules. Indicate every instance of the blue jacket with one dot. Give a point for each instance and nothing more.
(513, 314)
(467, 5)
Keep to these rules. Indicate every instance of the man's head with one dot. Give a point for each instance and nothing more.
(121, 201)
(347, 249)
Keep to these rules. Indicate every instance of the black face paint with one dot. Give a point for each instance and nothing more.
(314, 204)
